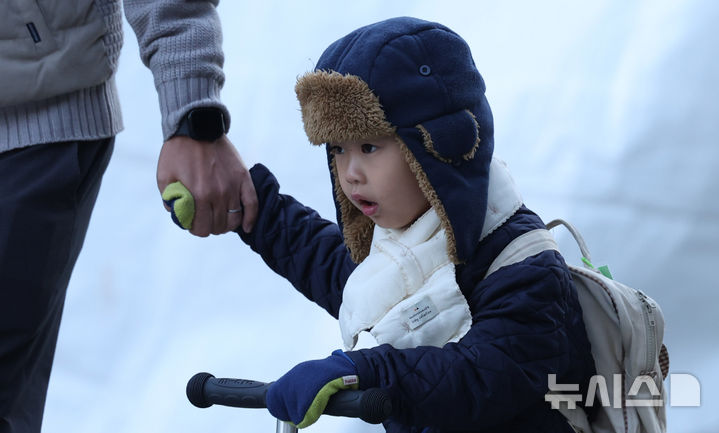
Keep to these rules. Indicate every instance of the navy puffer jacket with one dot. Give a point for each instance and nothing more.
(527, 324)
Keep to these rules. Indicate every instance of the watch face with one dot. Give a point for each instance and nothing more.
(206, 124)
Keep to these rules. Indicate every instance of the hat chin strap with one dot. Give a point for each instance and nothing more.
(503, 198)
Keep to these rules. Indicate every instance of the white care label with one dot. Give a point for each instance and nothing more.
(419, 313)
(350, 380)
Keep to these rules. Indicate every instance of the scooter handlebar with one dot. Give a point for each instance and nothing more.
(203, 390)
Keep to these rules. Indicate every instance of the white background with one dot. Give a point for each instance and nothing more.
(606, 113)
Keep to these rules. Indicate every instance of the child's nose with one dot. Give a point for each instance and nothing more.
(354, 172)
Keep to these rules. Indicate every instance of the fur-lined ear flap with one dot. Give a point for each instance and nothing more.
(452, 138)
(431, 195)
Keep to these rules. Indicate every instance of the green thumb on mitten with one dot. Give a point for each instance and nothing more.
(302, 394)
(181, 203)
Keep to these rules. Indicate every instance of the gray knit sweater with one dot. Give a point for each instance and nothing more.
(180, 41)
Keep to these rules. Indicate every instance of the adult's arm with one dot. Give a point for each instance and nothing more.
(181, 42)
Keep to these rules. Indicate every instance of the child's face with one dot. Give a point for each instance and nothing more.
(376, 178)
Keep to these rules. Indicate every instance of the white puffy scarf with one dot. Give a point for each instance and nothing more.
(405, 292)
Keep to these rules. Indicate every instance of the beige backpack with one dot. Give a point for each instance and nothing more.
(625, 328)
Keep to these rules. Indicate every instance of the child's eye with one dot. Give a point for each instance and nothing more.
(368, 148)
(336, 150)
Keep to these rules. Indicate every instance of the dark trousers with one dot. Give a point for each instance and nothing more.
(47, 193)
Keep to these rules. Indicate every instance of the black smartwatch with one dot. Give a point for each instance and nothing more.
(203, 124)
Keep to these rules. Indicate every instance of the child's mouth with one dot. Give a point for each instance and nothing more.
(369, 208)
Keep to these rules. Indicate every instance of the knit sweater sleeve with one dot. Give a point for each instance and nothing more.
(181, 42)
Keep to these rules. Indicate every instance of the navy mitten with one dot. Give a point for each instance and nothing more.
(301, 395)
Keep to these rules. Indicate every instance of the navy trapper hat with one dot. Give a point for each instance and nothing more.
(415, 80)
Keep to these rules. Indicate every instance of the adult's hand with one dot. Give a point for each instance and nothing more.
(217, 178)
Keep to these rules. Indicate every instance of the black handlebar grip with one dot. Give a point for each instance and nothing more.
(203, 390)
(372, 406)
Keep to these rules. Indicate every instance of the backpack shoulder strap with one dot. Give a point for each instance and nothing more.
(522, 247)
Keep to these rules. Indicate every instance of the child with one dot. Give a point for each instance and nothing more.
(422, 211)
